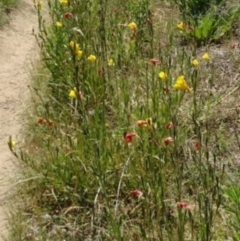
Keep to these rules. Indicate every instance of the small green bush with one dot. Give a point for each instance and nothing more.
(211, 27)
(196, 9)
(206, 20)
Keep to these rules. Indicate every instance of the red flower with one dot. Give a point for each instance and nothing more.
(50, 123)
(145, 123)
(169, 125)
(155, 61)
(142, 123)
(136, 193)
(128, 137)
(182, 205)
(41, 121)
(234, 46)
(168, 140)
(67, 15)
(196, 145)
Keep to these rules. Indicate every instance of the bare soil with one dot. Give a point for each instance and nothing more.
(18, 49)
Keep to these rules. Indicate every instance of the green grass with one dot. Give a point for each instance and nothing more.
(5, 8)
(116, 151)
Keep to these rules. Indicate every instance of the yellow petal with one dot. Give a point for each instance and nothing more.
(111, 62)
(64, 2)
(206, 57)
(181, 84)
(92, 58)
(181, 26)
(59, 24)
(73, 94)
(71, 44)
(40, 5)
(132, 26)
(195, 63)
(162, 75)
(79, 54)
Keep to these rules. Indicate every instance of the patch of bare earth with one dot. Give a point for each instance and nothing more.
(17, 50)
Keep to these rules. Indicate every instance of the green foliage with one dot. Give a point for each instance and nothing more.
(8, 4)
(119, 152)
(5, 7)
(207, 23)
(196, 9)
(233, 194)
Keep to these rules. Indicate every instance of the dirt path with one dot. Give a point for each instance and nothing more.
(17, 50)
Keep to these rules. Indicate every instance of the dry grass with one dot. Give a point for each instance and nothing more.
(47, 219)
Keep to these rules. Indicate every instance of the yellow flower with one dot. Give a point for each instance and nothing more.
(111, 62)
(59, 24)
(11, 143)
(64, 2)
(206, 57)
(181, 26)
(40, 5)
(149, 121)
(162, 75)
(73, 93)
(92, 58)
(181, 84)
(76, 48)
(133, 26)
(142, 123)
(72, 44)
(145, 123)
(195, 63)
(79, 54)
